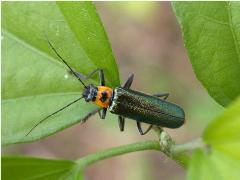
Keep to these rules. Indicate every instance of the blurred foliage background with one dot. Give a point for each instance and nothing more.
(146, 40)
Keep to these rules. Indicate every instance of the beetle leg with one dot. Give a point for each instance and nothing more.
(121, 123)
(129, 81)
(140, 128)
(102, 113)
(164, 95)
(101, 75)
(81, 76)
(89, 115)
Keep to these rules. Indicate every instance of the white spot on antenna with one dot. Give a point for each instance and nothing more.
(66, 76)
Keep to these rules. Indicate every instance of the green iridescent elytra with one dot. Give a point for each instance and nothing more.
(145, 108)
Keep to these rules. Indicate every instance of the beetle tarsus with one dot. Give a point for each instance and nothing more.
(140, 128)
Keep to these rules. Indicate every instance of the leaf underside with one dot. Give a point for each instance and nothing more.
(211, 33)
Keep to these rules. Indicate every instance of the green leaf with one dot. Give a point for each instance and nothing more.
(211, 34)
(90, 34)
(35, 82)
(19, 168)
(213, 165)
(221, 159)
(224, 133)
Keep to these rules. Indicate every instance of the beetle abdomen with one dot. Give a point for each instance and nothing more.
(145, 108)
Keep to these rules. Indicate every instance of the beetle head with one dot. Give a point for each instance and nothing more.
(90, 93)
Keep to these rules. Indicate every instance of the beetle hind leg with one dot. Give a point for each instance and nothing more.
(140, 128)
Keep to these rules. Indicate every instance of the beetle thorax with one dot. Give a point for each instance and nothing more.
(100, 95)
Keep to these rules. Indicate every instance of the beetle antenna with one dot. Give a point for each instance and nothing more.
(52, 115)
(50, 44)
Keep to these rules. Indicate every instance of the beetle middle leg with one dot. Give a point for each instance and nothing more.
(127, 85)
(140, 128)
(121, 120)
(164, 95)
(101, 75)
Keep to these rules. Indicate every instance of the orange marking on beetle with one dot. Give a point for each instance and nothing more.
(108, 91)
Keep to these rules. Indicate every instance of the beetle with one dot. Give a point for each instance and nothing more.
(125, 102)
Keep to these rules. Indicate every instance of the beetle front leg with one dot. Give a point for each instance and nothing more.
(83, 77)
(89, 115)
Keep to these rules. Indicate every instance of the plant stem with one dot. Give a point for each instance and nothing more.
(101, 155)
(198, 143)
(167, 145)
(178, 153)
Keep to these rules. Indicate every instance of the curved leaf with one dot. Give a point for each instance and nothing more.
(36, 168)
(224, 133)
(214, 165)
(35, 82)
(91, 35)
(211, 33)
(222, 159)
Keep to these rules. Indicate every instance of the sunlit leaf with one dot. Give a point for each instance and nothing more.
(35, 82)
(221, 159)
(224, 132)
(213, 165)
(211, 34)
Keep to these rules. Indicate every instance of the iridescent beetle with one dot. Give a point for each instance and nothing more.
(126, 103)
